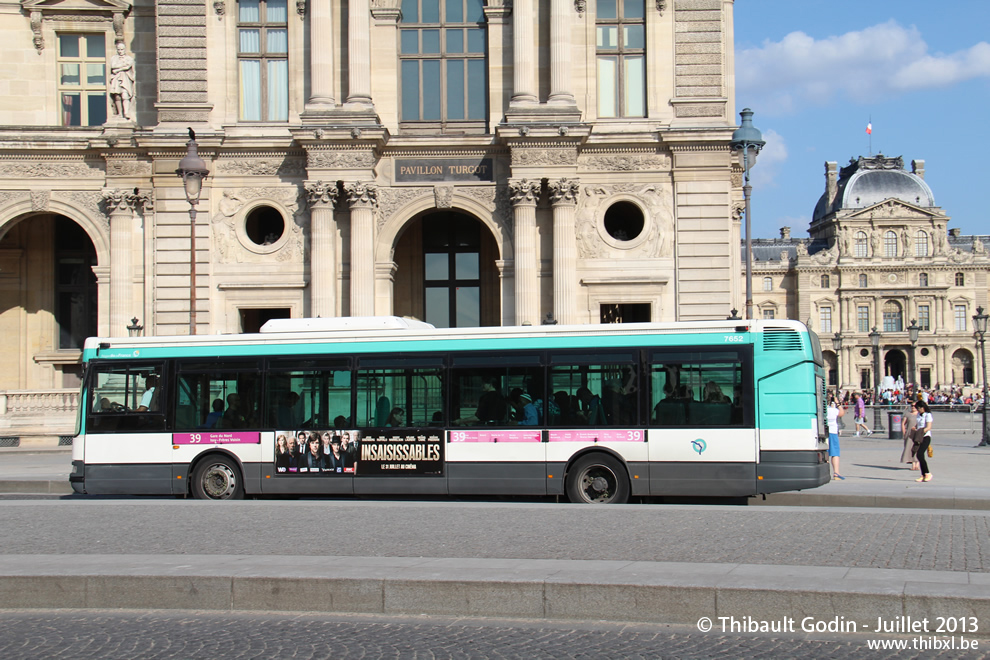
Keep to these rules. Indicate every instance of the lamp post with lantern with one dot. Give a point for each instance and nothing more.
(837, 345)
(192, 170)
(748, 141)
(980, 321)
(914, 330)
(875, 342)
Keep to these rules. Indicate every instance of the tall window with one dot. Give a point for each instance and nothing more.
(825, 319)
(452, 271)
(861, 244)
(960, 279)
(263, 52)
(921, 244)
(924, 317)
(768, 284)
(825, 281)
(82, 79)
(863, 318)
(890, 244)
(863, 282)
(621, 49)
(442, 59)
(893, 317)
(922, 279)
(959, 311)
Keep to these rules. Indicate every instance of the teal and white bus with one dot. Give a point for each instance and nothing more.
(388, 406)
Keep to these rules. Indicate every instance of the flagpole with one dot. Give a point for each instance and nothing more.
(869, 131)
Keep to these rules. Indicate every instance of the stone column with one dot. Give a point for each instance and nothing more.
(560, 52)
(359, 55)
(563, 196)
(524, 195)
(524, 19)
(120, 207)
(321, 55)
(362, 197)
(323, 257)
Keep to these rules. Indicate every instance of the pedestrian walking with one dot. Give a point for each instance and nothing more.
(908, 422)
(923, 431)
(834, 412)
(859, 415)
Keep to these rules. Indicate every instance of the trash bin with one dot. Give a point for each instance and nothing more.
(894, 424)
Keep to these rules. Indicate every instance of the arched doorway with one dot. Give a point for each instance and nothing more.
(895, 364)
(445, 271)
(962, 367)
(48, 299)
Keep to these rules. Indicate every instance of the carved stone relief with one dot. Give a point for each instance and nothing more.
(128, 168)
(40, 200)
(263, 167)
(535, 157)
(443, 196)
(225, 225)
(391, 200)
(23, 170)
(658, 220)
(625, 162)
(327, 159)
(86, 200)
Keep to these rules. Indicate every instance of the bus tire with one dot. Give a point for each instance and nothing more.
(598, 479)
(218, 478)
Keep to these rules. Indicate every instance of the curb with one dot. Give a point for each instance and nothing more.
(36, 487)
(615, 591)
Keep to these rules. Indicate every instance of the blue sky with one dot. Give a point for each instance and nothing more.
(816, 72)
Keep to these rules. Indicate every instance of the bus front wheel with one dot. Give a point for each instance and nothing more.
(218, 478)
(598, 479)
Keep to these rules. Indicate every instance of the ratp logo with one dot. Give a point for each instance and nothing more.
(699, 445)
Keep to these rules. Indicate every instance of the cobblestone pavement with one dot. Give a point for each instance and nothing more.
(33, 634)
(860, 538)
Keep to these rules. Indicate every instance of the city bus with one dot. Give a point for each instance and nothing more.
(386, 406)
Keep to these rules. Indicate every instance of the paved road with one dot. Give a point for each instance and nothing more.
(858, 538)
(29, 635)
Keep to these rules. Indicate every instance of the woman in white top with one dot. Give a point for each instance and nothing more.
(923, 427)
(834, 412)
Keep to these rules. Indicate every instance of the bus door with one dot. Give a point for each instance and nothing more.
(702, 433)
(496, 443)
(127, 447)
(398, 431)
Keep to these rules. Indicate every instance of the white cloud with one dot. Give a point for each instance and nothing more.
(772, 155)
(862, 66)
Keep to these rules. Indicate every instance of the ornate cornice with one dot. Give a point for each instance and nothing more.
(338, 159)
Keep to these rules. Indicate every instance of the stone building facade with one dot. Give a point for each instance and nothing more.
(465, 162)
(880, 255)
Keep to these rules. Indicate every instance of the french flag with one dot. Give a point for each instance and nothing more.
(869, 128)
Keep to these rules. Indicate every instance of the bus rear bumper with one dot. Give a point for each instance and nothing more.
(791, 470)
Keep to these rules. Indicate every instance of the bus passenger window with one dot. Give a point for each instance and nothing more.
(697, 394)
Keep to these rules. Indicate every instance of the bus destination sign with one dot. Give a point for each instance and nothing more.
(412, 170)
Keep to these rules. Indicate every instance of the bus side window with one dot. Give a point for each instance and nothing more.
(126, 398)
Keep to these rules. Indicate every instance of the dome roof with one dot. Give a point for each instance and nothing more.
(869, 181)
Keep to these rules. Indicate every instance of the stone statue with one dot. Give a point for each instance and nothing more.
(875, 242)
(905, 242)
(121, 87)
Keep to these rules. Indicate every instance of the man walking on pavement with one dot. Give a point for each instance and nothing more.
(860, 416)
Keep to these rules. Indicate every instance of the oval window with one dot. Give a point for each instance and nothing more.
(264, 225)
(624, 221)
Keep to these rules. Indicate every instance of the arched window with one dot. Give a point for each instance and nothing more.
(921, 244)
(825, 282)
(923, 279)
(863, 282)
(861, 244)
(960, 279)
(893, 317)
(768, 284)
(890, 244)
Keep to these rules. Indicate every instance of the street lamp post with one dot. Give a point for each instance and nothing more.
(134, 329)
(748, 140)
(192, 170)
(913, 331)
(837, 345)
(980, 321)
(875, 341)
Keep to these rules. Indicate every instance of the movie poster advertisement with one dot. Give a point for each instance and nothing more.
(349, 452)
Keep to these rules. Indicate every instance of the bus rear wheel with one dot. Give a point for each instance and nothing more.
(217, 478)
(598, 479)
